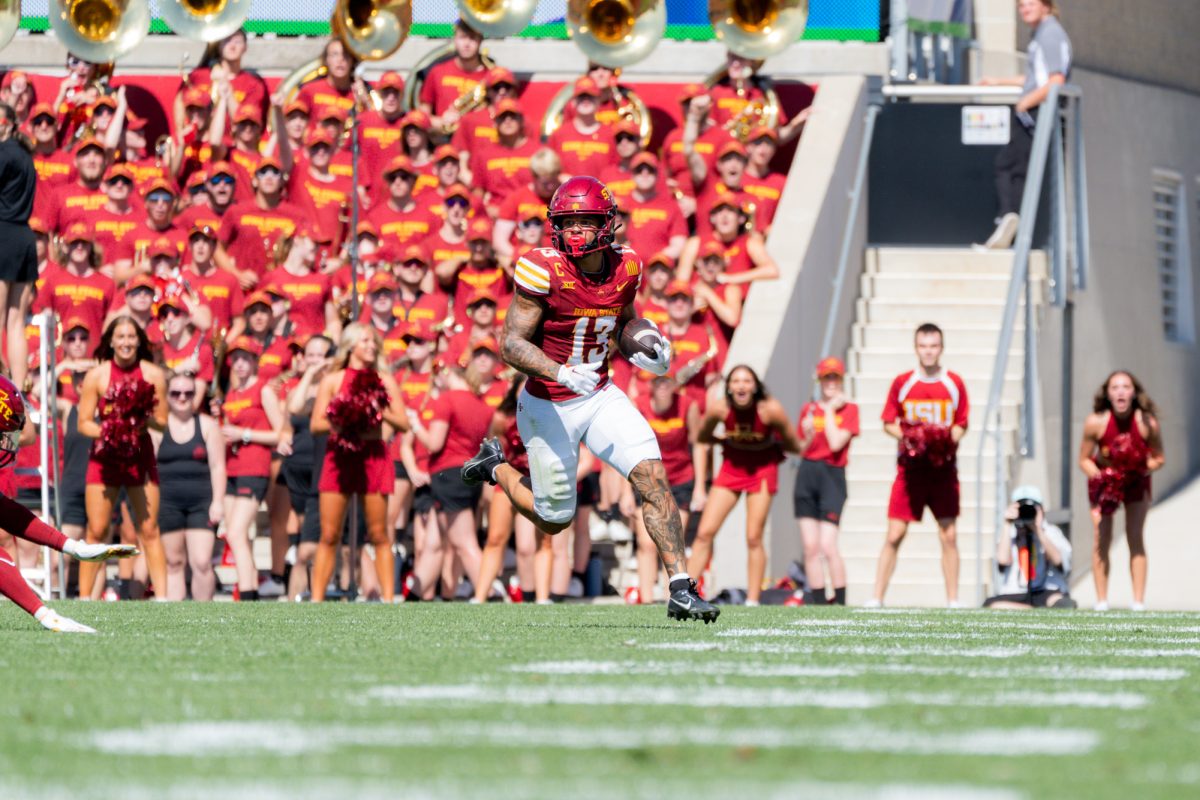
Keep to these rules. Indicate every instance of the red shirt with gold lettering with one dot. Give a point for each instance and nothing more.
(671, 430)
(440, 249)
(320, 94)
(220, 291)
(380, 139)
(307, 295)
(499, 171)
(766, 193)
(67, 203)
(249, 232)
(326, 198)
(54, 169)
(653, 222)
(583, 153)
(195, 347)
(403, 227)
(581, 313)
(477, 129)
(247, 85)
(446, 81)
(471, 279)
(940, 400)
(68, 295)
(113, 232)
(243, 408)
(706, 147)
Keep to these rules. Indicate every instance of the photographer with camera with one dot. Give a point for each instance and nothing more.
(1034, 558)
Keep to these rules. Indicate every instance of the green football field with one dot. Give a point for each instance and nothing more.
(438, 700)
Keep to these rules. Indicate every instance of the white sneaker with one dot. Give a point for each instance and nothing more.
(271, 588)
(100, 552)
(619, 532)
(751, 604)
(1101, 606)
(1138, 607)
(874, 602)
(1006, 232)
(53, 621)
(953, 605)
(597, 528)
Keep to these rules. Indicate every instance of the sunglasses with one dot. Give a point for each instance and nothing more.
(532, 223)
(400, 176)
(268, 171)
(195, 190)
(170, 311)
(44, 120)
(159, 197)
(76, 337)
(462, 202)
(175, 394)
(626, 137)
(119, 180)
(217, 180)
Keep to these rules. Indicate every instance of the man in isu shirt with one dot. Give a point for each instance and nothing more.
(478, 127)
(656, 225)
(584, 144)
(114, 222)
(380, 131)
(402, 220)
(216, 287)
(250, 230)
(448, 80)
(501, 168)
(77, 289)
(73, 202)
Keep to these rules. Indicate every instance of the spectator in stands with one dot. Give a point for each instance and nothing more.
(1122, 445)
(652, 304)
(480, 326)
(114, 222)
(584, 144)
(313, 187)
(449, 80)
(18, 257)
(160, 196)
(126, 140)
(694, 365)
(218, 289)
(296, 115)
(718, 302)
(447, 245)
(675, 419)
(757, 434)
(449, 175)
(745, 252)
(72, 481)
(72, 202)
(381, 130)
(356, 460)
(417, 142)
(81, 88)
(122, 454)
(618, 175)
(413, 302)
(192, 136)
(251, 421)
(402, 220)
(185, 350)
(544, 167)
(1049, 63)
(298, 465)
(138, 305)
(924, 405)
(531, 232)
(705, 140)
(18, 93)
(221, 66)
(481, 271)
(222, 193)
(501, 169)
(1034, 557)
(54, 164)
(191, 473)
(478, 127)
(77, 289)
(338, 87)
(724, 184)
(250, 228)
(760, 181)
(414, 376)
(826, 427)
(656, 223)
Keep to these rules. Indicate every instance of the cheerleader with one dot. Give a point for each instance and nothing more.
(120, 400)
(353, 403)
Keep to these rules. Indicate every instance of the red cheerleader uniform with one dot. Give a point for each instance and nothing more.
(103, 470)
(751, 454)
(1137, 488)
(366, 470)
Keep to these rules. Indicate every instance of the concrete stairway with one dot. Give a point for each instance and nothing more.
(963, 292)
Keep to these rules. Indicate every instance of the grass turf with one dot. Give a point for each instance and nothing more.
(276, 700)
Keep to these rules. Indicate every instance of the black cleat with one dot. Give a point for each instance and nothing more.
(686, 604)
(479, 469)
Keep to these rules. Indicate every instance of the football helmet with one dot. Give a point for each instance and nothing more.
(582, 194)
(12, 420)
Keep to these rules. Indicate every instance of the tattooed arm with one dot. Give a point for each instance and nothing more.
(516, 345)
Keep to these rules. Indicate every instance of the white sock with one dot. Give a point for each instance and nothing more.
(41, 613)
(70, 546)
(680, 576)
(494, 472)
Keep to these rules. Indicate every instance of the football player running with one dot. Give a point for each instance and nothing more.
(19, 521)
(572, 302)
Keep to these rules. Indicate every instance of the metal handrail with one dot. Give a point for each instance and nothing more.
(1047, 150)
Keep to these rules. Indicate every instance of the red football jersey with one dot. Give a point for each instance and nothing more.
(818, 449)
(941, 400)
(581, 313)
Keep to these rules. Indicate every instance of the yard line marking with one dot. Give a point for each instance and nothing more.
(736, 697)
(289, 739)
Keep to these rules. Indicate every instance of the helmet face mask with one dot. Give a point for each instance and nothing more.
(581, 196)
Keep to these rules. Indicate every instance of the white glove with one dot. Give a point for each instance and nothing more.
(580, 378)
(660, 364)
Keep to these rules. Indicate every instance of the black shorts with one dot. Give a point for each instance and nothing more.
(422, 502)
(401, 471)
(588, 493)
(297, 477)
(247, 486)
(450, 494)
(682, 494)
(820, 491)
(179, 511)
(74, 510)
(32, 499)
(18, 256)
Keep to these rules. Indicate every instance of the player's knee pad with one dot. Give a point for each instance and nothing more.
(556, 512)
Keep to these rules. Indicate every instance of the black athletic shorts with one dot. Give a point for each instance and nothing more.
(18, 256)
(74, 511)
(450, 494)
(184, 510)
(682, 494)
(820, 491)
(588, 493)
(297, 477)
(401, 471)
(32, 499)
(247, 486)
(423, 500)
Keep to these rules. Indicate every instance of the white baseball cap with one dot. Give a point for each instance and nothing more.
(1028, 493)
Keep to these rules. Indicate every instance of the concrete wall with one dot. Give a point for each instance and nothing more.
(783, 322)
(1131, 129)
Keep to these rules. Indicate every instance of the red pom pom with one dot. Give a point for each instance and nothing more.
(1127, 455)
(356, 411)
(926, 445)
(1106, 491)
(127, 405)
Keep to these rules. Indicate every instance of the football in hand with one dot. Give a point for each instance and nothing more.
(640, 336)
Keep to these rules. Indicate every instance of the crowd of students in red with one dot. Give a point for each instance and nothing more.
(231, 237)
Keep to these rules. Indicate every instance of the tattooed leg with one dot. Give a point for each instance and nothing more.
(663, 522)
(518, 489)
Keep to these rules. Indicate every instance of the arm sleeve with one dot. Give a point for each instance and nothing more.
(1056, 50)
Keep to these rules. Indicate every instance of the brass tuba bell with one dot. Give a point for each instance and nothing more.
(99, 31)
(204, 20)
(495, 19)
(10, 20)
(616, 33)
(372, 29)
(758, 28)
